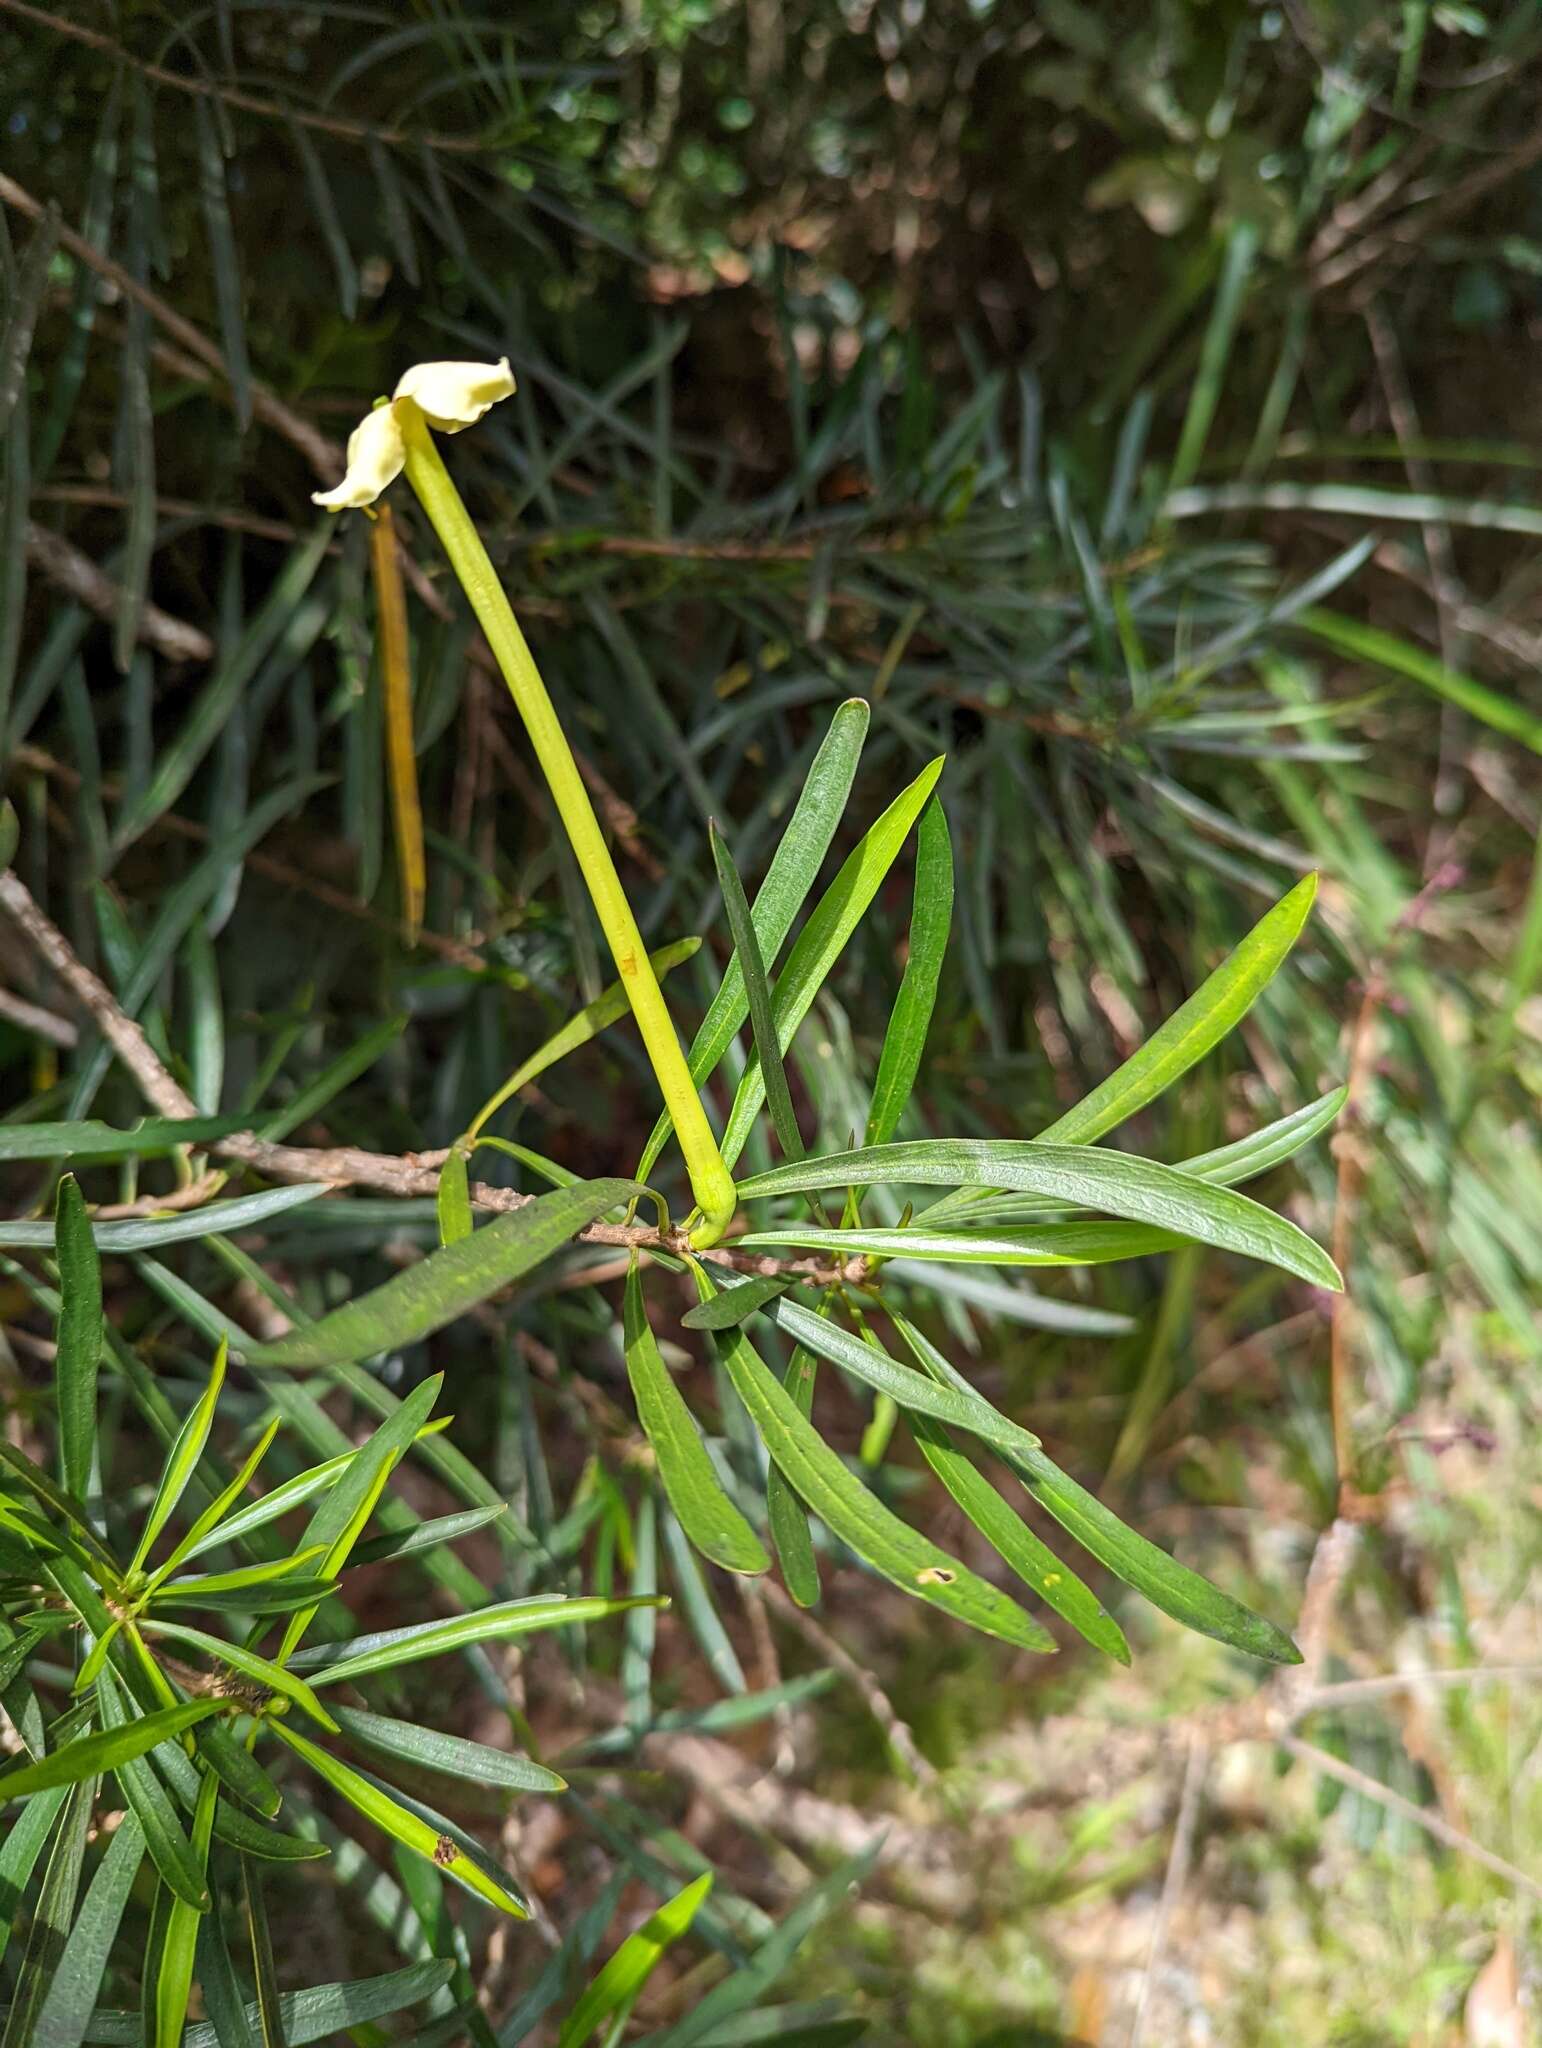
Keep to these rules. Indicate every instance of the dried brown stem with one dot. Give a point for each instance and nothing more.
(78, 576)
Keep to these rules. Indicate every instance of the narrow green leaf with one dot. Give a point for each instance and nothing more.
(745, 1988)
(181, 1459)
(1171, 1586)
(151, 1233)
(264, 1969)
(794, 867)
(174, 1976)
(80, 1337)
(785, 1515)
(222, 1995)
(49, 1932)
(1220, 1002)
(1073, 1176)
(1043, 1244)
(914, 1391)
(259, 1671)
(404, 1826)
(427, 1535)
(332, 1662)
(105, 1750)
(88, 1142)
(199, 1534)
(706, 1514)
(1389, 651)
(931, 919)
(758, 992)
(608, 1008)
(448, 1282)
(70, 1999)
(238, 1579)
(340, 1519)
(735, 1302)
(616, 1989)
(888, 1545)
(822, 940)
(289, 1493)
(1216, 1006)
(452, 1755)
(453, 1199)
(1032, 1560)
(238, 1770)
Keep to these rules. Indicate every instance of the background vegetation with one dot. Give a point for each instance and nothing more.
(1135, 403)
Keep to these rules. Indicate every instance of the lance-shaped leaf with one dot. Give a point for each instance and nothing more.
(616, 1989)
(1074, 1177)
(794, 866)
(105, 1750)
(452, 1755)
(187, 1448)
(80, 1336)
(174, 1972)
(931, 919)
(785, 1515)
(340, 1520)
(447, 1283)
(238, 1769)
(47, 1936)
(216, 1511)
(332, 1662)
(394, 1818)
(87, 1142)
(914, 1391)
(823, 939)
(758, 991)
(608, 1007)
(287, 1494)
(70, 1999)
(1226, 1165)
(1032, 1560)
(1165, 1582)
(735, 1302)
(893, 1549)
(148, 1233)
(704, 1511)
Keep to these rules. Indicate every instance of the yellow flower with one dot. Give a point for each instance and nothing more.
(449, 396)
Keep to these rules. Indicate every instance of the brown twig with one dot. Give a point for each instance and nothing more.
(76, 574)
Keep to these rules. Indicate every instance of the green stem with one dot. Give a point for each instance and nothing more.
(711, 1182)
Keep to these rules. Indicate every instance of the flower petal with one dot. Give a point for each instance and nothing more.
(455, 395)
(376, 453)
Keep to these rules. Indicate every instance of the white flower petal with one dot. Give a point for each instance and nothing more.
(376, 453)
(455, 395)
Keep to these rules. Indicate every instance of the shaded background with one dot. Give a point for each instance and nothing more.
(1137, 403)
